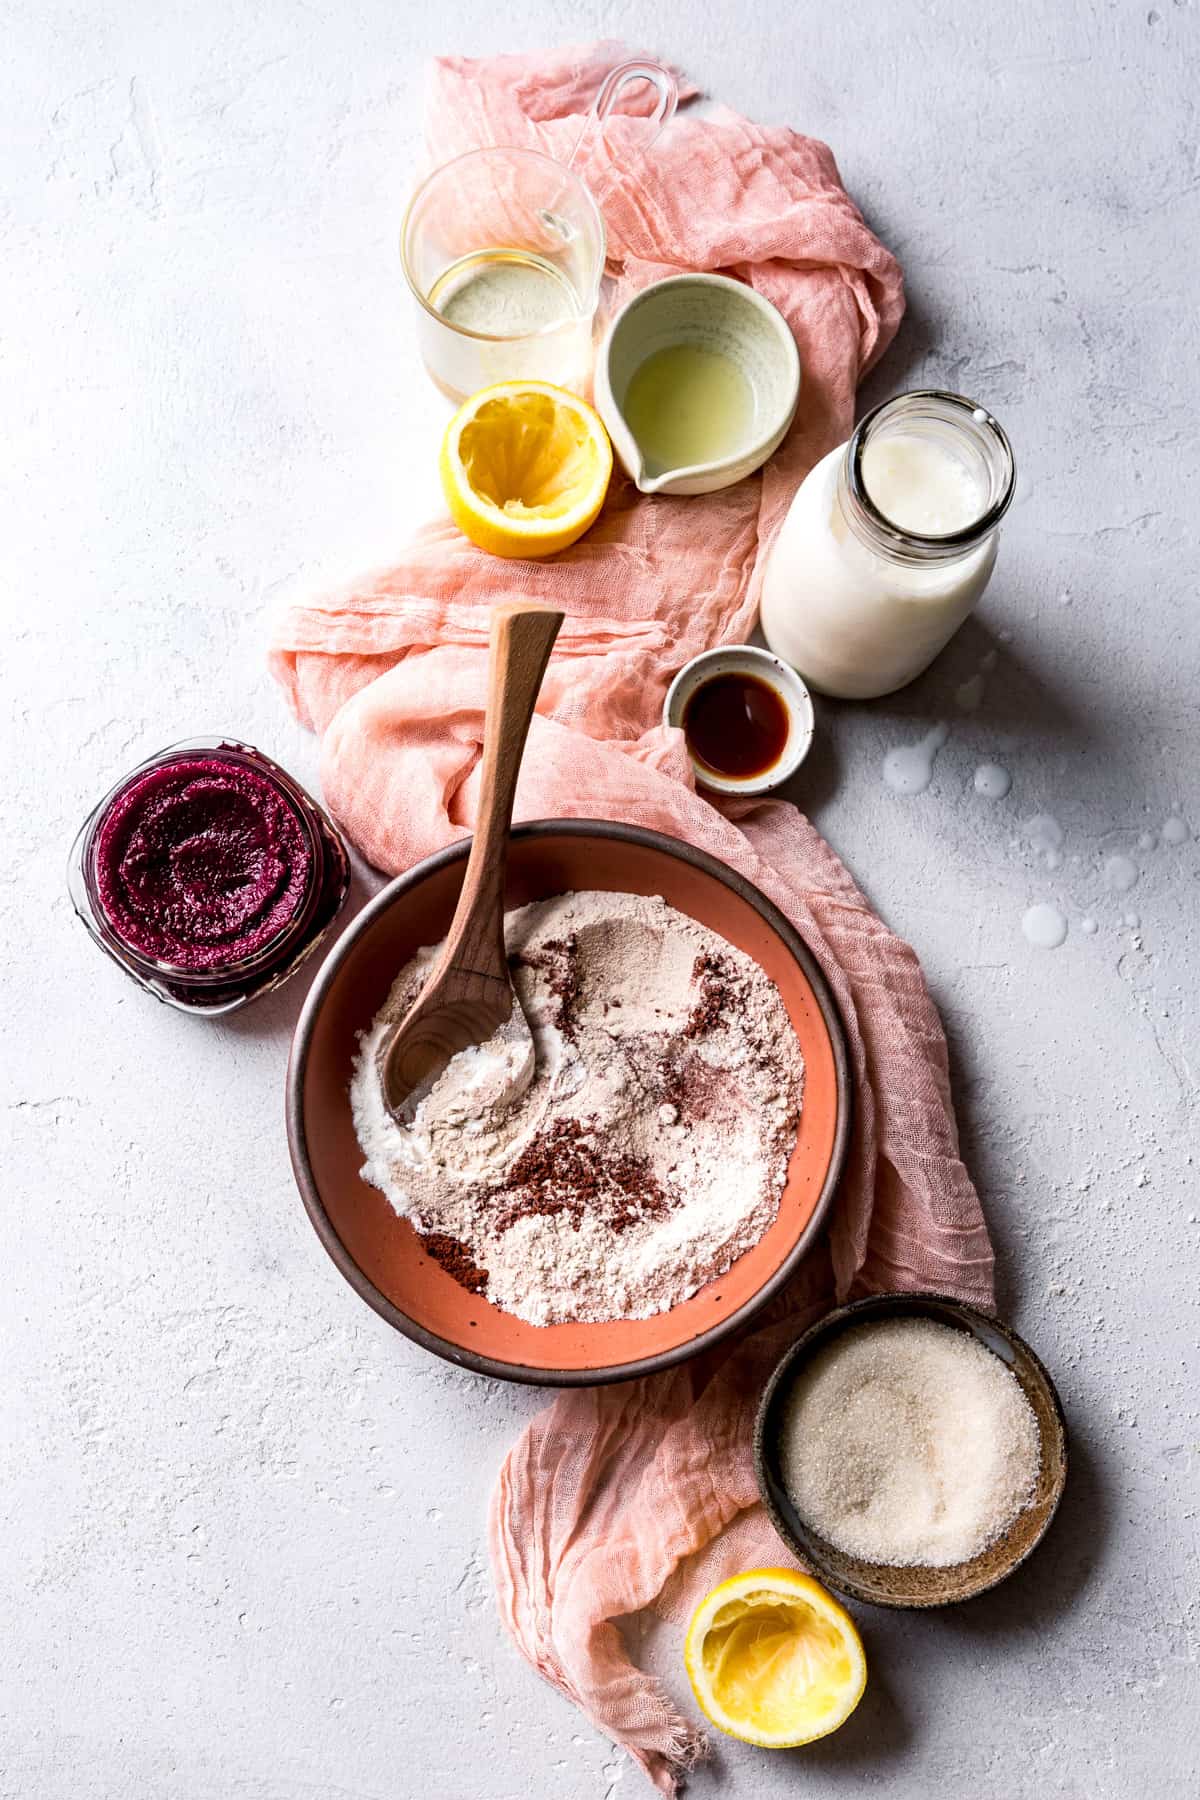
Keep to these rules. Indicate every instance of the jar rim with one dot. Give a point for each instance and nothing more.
(241, 968)
(904, 545)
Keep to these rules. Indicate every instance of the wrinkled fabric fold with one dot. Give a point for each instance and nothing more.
(634, 1496)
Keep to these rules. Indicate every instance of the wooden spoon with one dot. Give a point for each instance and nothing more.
(469, 995)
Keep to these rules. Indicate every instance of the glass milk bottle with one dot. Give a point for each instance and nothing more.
(888, 545)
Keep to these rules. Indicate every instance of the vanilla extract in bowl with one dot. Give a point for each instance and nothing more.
(746, 718)
(736, 724)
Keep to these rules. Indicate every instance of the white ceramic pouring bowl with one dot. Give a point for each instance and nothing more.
(715, 313)
(746, 659)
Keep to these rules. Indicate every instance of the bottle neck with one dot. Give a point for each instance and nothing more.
(939, 432)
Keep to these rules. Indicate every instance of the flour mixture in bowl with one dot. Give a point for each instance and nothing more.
(644, 1150)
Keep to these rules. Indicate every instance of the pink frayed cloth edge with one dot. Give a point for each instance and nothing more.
(642, 1495)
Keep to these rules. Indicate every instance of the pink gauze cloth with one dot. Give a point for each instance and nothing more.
(617, 1499)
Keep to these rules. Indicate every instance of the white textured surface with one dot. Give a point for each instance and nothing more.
(241, 1554)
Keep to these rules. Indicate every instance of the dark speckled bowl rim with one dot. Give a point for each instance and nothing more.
(392, 895)
(898, 1306)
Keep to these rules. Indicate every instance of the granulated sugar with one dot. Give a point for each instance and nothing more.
(907, 1442)
(643, 1150)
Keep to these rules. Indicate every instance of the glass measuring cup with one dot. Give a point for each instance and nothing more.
(503, 250)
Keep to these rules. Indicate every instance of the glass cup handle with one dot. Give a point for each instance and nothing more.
(659, 78)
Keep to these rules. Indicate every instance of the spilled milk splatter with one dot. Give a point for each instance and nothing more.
(992, 781)
(1044, 926)
(1044, 832)
(969, 693)
(1121, 873)
(909, 768)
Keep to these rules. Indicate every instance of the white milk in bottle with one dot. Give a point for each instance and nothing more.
(888, 545)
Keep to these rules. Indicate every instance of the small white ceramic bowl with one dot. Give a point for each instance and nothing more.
(747, 659)
(714, 313)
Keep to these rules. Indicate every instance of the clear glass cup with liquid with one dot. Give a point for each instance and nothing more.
(503, 252)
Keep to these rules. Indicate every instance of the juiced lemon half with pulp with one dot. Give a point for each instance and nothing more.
(774, 1660)
(525, 468)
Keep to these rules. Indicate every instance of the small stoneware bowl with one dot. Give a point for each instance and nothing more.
(712, 313)
(384, 1258)
(879, 1583)
(746, 659)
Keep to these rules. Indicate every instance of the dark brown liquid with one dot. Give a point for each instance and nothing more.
(736, 725)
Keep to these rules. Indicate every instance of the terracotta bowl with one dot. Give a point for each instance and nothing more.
(914, 1587)
(381, 1255)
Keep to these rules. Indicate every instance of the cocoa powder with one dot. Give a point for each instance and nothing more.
(451, 1254)
(565, 1170)
(714, 977)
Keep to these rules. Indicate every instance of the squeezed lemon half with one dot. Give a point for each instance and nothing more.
(774, 1660)
(525, 467)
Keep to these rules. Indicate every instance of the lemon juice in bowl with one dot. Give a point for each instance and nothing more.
(688, 404)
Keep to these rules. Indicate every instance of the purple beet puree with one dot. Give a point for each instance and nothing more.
(201, 862)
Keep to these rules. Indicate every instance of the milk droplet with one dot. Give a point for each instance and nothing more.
(1044, 832)
(909, 768)
(1120, 872)
(1044, 926)
(1147, 841)
(1088, 926)
(992, 781)
(1175, 830)
(969, 693)
(1064, 599)
(1132, 920)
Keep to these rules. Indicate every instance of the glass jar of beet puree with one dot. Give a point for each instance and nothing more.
(208, 874)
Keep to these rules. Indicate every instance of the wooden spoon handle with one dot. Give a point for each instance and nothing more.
(522, 637)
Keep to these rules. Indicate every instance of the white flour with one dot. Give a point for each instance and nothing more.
(647, 1147)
